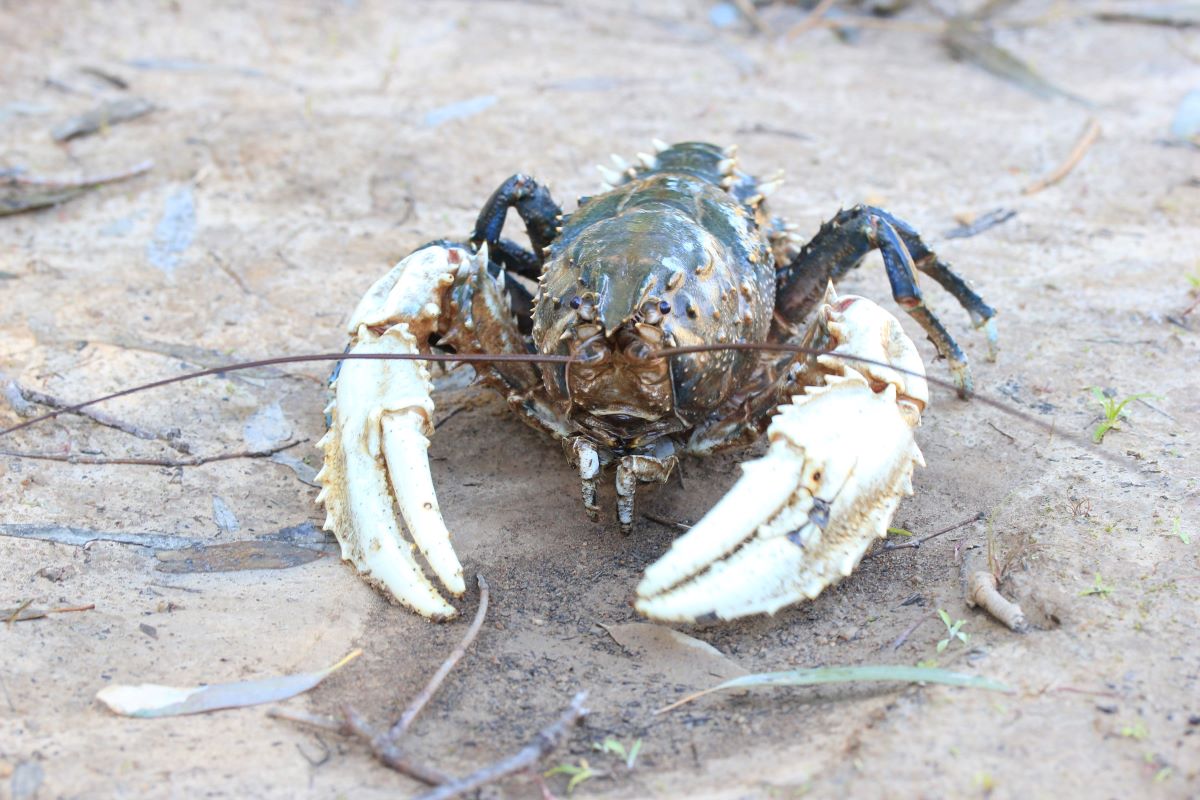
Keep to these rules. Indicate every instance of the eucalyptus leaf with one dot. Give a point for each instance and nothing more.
(152, 700)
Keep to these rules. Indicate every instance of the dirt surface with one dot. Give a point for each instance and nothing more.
(301, 150)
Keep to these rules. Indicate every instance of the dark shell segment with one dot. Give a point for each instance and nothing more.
(670, 236)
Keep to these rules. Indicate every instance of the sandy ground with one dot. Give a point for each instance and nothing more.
(301, 149)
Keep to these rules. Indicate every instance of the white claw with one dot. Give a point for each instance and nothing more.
(757, 496)
(405, 449)
(802, 517)
(648, 161)
(376, 459)
(659, 145)
(621, 163)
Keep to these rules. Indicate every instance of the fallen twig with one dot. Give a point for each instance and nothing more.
(20, 193)
(811, 21)
(902, 638)
(546, 741)
(916, 543)
(1171, 15)
(81, 537)
(419, 702)
(303, 535)
(1008, 436)
(81, 182)
(1076, 690)
(194, 461)
(1090, 134)
(967, 39)
(22, 399)
(670, 523)
(23, 612)
(984, 222)
(386, 744)
(102, 118)
(108, 77)
(16, 612)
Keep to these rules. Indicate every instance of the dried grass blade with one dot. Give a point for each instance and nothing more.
(812, 677)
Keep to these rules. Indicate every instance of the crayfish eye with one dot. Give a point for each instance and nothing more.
(576, 302)
(652, 311)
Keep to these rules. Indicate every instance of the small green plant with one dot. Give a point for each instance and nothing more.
(1137, 731)
(612, 746)
(985, 782)
(578, 773)
(1113, 409)
(953, 631)
(1098, 587)
(1177, 529)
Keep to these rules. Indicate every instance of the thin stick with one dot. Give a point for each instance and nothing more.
(419, 702)
(100, 417)
(916, 543)
(1096, 692)
(670, 523)
(1090, 134)
(17, 612)
(902, 638)
(111, 177)
(195, 461)
(385, 745)
(811, 21)
(21, 615)
(878, 23)
(543, 744)
(1008, 436)
(388, 751)
(305, 718)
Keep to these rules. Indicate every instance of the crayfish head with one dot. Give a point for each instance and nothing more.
(617, 385)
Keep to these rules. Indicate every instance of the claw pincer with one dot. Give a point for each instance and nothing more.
(802, 517)
(376, 459)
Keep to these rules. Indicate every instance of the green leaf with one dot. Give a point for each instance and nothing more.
(820, 675)
(942, 645)
(633, 754)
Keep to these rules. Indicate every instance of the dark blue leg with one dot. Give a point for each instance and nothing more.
(839, 247)
(532, 201)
